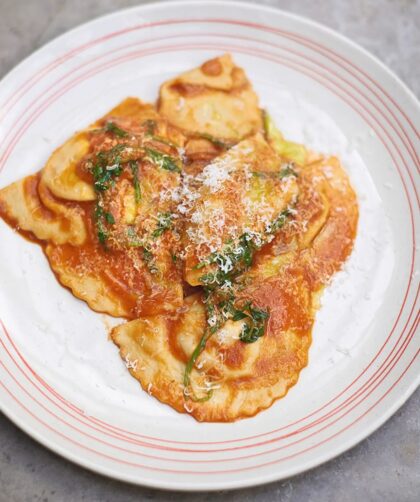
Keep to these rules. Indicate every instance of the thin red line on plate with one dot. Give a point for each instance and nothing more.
(410, 148)
(101, 454)
(396, 357)
(136, 54)
(312, 44)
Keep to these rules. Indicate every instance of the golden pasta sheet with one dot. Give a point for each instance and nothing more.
(214, 100)
(231, 379)
(30, 208)
(236, 203)
(104, 211)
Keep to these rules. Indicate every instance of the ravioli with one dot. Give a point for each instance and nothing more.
(22, 205)
(321, 233)
(242, 379)
(214, 100)
(234, 204)
(61, 174)
(101, 211)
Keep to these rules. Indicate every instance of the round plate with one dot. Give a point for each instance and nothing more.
(62, 380)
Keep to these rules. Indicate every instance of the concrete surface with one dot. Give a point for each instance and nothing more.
(386, 466)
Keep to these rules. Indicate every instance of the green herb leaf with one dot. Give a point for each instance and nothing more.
(219, 312)
(279, 222)
(188, 393)
(162, 160)
(102, 236)
(136, 183)
(259, 174)
(109, 218)
(251, 334)
(114, 129)
(239, 316)
(150, 126)
(101, 217)
(164, 223)
(149, 260)
(208, 279)
(106, 167)
(133, 239)
(286, 172)
(214, 140)
(254, 327)
(165, 141)
(100, 228)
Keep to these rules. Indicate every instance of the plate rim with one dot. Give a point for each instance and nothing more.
(319, 458)
(241, 3)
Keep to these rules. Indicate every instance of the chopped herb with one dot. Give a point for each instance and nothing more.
(164, 223)
(162, 160)
(250, 334)
(188, 369)
(106, 167)
(174, 258)
(100, 215)
(219, 313)
(254, 326)
(210, 330)
(231, 262)
(148, 259)
(134, 241)
(150, 131)
(150, 126)
(287, 171)
(109, 218)
(238, 315)
(212, 139)
(114, 129)
(279, 222)
(163, 140)
(147, 255)
(137, 191)
(102, 236)
(259, 174)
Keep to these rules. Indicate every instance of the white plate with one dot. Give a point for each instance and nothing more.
(62, 380)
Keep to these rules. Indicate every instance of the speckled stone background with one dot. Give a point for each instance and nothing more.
(386, 466)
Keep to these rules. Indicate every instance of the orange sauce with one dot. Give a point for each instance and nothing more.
(130, 286)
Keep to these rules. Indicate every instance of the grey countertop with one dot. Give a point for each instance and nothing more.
(386, 466)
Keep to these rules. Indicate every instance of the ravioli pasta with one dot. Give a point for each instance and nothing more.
(200, 224)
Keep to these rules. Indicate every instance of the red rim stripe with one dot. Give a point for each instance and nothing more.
(101, 454)
(389, 368)
(311, 44)
(410, 148)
